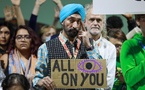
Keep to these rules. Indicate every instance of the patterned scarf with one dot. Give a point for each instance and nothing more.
(16, 64)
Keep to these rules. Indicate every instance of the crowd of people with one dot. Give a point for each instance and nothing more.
(25, 55)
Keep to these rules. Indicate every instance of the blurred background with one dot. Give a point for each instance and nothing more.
(46, 12)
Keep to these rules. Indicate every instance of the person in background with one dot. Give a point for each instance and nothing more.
(5, 35)
(15, 81)
(59, 6)
(135, 27)
(113, 22)
(22, 53)
(34, 15)
(130, 21)
(95, 25)
(117, 37)
(56, 17)
(8, 13)
(71, 17)
(46, 32)
(2, 76)
(10, 17)
(132, 58)
(13, 15)
(18, 12)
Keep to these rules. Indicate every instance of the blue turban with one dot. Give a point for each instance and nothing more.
(70, 9)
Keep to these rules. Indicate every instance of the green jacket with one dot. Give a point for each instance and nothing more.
(133, 62)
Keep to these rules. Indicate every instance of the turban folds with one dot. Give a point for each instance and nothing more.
(70, 9)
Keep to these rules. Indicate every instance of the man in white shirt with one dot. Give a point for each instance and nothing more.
(95, 25)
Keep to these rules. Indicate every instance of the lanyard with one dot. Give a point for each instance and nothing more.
(67, 50)
(142, 45)
(97, 45)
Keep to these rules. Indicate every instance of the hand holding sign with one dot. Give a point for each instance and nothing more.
(47, 82)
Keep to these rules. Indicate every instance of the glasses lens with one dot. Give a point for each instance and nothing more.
(25, 37)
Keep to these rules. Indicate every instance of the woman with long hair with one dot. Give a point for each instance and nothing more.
(22, 53)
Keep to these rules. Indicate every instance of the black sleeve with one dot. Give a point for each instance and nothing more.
(131, 24)
(32, 22)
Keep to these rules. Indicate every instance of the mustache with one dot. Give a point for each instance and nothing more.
(95, 27)
(72, 29)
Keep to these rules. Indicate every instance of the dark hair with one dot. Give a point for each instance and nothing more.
(137, 16)
(15, 79)
(11, 29)
(118, 34)
(35, 40)
(8, 25)
(114, 22)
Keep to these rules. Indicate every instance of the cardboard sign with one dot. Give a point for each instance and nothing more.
(119, 6)
(79, 73)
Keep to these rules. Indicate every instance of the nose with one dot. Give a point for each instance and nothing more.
(95, 22)
(75, 24)
(3, 35)
(22, 39)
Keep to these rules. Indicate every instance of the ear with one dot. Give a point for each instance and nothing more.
(62, 22)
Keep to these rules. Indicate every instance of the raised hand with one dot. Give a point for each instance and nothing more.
(39, 2)
(57, 1)
(56, 13)
(8, 13)
(56, 17)
(18, 12)
(128, 16)
(58, 4)
(15, 2)
(14, 12)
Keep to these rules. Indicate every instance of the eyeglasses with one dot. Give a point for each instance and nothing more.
(25, 37)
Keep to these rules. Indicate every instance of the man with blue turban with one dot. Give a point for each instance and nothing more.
(65, 46)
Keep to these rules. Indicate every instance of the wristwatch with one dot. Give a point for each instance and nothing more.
(90, 48)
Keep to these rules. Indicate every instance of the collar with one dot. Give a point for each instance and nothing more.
(63, 37)
(98, 42)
